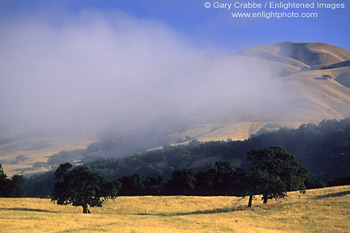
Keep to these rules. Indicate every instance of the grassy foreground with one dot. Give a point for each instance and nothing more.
(319, 210)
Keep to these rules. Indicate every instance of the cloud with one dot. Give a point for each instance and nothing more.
(92, 69)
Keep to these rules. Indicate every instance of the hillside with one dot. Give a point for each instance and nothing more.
(323, 149)
(299, 54)
(318, 210)
(306, 83)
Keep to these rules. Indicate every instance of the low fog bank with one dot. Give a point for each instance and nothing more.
(93, 73)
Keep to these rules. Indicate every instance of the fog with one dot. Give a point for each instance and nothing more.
(92, 70)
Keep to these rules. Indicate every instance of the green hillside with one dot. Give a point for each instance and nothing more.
(323, 149)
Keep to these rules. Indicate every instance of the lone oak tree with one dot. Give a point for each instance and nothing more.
(273, 172)
(81, 187)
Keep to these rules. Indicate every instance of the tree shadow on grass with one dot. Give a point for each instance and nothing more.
(212, 211)
(28, 209)
(338, 194)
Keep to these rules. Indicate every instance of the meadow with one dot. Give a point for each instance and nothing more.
(318, 210)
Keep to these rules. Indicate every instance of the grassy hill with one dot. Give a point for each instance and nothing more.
(310, 82)
(319, 210)
(26, 155)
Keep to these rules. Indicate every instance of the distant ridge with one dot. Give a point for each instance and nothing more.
(299, 54)
(317, 75)
(314, 53)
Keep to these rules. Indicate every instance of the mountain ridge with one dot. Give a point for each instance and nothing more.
(301, 54)
(316, 74)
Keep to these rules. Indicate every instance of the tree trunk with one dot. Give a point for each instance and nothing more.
(265, 199)
(86, 209)
(250, 201)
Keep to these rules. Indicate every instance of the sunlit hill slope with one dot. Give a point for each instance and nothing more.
(314, 80)
(319, 210)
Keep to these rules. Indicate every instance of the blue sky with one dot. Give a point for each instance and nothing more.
(213, 28)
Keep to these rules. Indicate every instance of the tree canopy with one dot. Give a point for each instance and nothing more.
(81, 187)
(139, 184)
(182, 182)
(221, 179)
(273, 172)
(11, 187)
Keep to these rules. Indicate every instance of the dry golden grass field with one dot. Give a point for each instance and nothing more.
(319, 210)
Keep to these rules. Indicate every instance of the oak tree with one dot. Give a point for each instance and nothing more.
(81, 187)
(273, 172)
